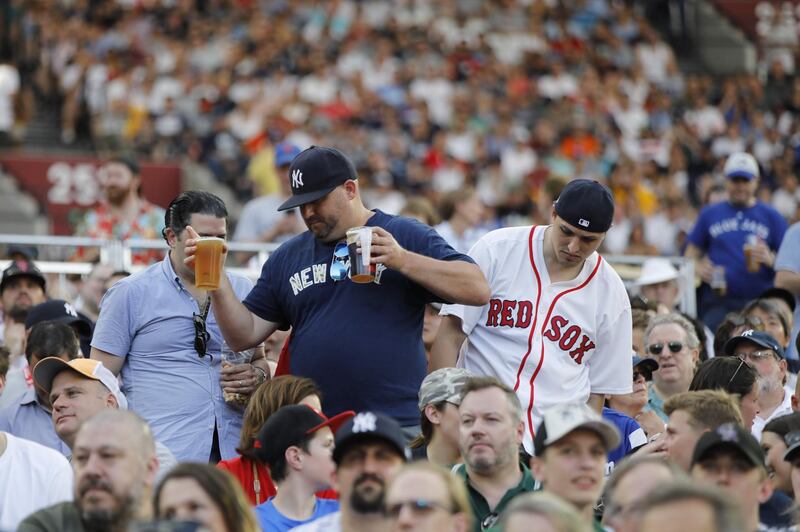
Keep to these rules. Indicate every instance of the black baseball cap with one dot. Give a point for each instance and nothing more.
(732, 436)
(60, 311)
(316, 171)
(645, 365)
(757, 337)
(586, 204)
(289, 426)
(22, 268)
(370, 426)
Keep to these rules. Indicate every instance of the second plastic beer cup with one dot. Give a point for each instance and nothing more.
(753, 265)
(208, 262)
(359, 241)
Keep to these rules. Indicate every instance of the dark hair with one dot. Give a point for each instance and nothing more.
(771, 308)
(120, 273)
(5, 356)
(476, 384)
(426, 427)
(783, 425)
(266, 400)
(17, 314)
(51, 338)
(220, 487)
(277, 469)
(179, 213)
(725, 373)
(126, 160)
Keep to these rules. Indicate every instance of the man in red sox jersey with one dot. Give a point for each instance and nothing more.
(558, 325)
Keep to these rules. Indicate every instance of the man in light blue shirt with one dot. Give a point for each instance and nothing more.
(787, 275)
(150, 330)
(28, 416)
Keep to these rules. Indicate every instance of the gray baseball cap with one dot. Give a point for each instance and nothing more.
(445, 384)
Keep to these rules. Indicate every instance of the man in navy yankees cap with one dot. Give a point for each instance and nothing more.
(360, 342)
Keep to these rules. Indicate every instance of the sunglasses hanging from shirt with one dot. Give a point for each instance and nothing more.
(201, 334)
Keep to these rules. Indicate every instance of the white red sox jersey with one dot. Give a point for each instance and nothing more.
(551, 342)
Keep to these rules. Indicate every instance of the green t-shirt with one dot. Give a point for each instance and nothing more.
(489, 517)
(56, 518)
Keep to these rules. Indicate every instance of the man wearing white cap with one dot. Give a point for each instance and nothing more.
(658, 282)
(571, 445)
(724, 232)
(78, 390)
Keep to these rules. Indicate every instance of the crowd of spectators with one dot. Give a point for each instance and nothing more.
(484, 109)
(510, 97)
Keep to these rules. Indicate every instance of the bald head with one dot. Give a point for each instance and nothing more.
(124, 427)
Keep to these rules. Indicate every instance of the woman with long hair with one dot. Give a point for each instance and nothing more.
(265, 401)
(205, 495)
(735, 376)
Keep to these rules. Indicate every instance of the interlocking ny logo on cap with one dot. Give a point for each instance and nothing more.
(728, 433)
(365, 422)
(748, 332)
(297, 179)
(583, 222)
(69, 309)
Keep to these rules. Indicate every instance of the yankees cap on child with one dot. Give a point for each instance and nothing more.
(560, 420)
(587, 205)
(370, 426)
(315, 172)
(289, 426)
(732, 436)
(46, 370)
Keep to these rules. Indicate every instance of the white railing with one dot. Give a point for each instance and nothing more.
(119, 255)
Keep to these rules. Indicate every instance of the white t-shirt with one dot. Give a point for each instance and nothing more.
(32, 477)
(552, 342)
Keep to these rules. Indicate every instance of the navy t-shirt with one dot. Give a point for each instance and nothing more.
(632, 434)
(722, 230)
(361, 343)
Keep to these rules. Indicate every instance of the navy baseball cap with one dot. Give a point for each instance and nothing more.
(792, 441)
(370, 426)
(315, 172)
(757, 337)
(22, 268)
(290, 425)
(731, 436)
(645, 365)
(285, 152)
(586, 204)
(60, 311)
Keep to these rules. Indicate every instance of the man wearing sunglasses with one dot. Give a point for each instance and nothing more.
(558, 326)
(157, 330)
(360, 342)
(767, 357)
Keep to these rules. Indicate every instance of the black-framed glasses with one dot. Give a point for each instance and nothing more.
(655, 349)
(201, 335)
(418, 507)
(339, 262)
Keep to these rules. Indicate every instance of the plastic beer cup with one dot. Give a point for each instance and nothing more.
(208, 262)
(359, 241)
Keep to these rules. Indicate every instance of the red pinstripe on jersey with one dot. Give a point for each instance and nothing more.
(536, 307)
(531, 428)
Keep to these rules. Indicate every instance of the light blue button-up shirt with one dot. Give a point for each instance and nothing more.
(28, 419)
(147, 319)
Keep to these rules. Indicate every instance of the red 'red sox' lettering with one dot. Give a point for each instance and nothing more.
(509, 313)
(568, 337)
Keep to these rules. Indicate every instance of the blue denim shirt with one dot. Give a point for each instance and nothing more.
(28, 419)
(147, 319)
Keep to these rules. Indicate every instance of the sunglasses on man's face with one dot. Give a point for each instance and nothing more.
(201, 335)
(339, 264)
(655, 349)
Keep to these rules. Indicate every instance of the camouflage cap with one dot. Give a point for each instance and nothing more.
(444, 384)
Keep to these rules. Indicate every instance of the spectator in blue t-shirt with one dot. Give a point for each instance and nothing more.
(296, 443)
(361, 342)
(720, 235)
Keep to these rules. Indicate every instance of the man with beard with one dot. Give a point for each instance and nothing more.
(370, 449)
(22, 286)
(115, 466)
(724, 231)
(767, 357)
(490, 435)
(123, 213)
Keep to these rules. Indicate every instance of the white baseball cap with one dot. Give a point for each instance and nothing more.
(46, 370)
(560, 420)
(741, 164)
(656, 270)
